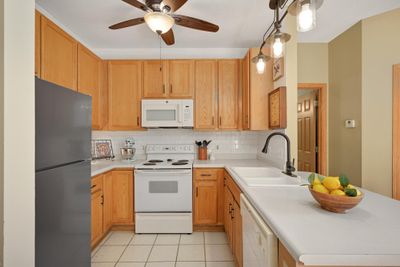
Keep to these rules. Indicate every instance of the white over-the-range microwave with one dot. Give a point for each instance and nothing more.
(167, 113)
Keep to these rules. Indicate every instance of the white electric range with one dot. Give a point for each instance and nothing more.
(163, 190)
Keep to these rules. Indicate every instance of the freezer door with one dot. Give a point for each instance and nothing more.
(63, 216)
(63, 125)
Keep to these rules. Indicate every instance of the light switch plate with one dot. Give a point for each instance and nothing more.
(350, 123)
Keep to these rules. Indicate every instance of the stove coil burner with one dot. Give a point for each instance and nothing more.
(183, 160)
(155, 161)
(179, 163)
(149, 164)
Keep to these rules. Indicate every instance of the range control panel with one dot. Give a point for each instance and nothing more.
(169, 149)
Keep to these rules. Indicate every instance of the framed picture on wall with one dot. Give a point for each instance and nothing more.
(278, 69)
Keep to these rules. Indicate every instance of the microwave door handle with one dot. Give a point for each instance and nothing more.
(180, 113)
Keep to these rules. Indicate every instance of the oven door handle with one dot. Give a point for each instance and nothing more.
(169, 172)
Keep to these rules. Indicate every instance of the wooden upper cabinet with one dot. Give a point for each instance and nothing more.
(255, 90)
(37, 43)
(124, 90)
(58, 55)
(122, 197)
(155, 79)
(89, 82)
(206, 94)
(181, 78)
(228, 85)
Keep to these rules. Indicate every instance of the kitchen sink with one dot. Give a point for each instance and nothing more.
(265, 176)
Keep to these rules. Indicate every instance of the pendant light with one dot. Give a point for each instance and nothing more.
(261, 61)
(278, 39)
(305, 12)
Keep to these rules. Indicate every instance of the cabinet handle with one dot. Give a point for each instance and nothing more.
(197, 191)
(233, 213)
(102, 199)
(204, 174)
(163, 89)
(93, 186)
(230, 209)
(170, 88)
(220, 120)
(224, 180)
(137, 121)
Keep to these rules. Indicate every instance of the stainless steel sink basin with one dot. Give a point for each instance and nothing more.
(265, 176)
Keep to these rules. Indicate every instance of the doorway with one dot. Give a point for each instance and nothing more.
(396, 132)
(312, 128)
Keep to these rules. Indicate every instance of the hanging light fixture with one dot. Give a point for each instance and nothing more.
(305, 11)
(278, 39)
(261, 61)
(159, 22)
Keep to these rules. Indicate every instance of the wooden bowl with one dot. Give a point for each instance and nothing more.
(333, 203)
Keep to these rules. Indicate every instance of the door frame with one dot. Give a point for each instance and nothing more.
(322, 123)
(396, 132)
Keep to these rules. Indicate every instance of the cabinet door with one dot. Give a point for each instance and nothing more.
(107, 193)
(206, 205)
(206, 94)
(58, 55)
(122, 197)
(124, 91)
(285, 259)
(228, 81)
(228, 199)
(89, 67)
(96, 209)
(37, 43)
(246, 92)
(237, 234)
(155, 79)
(181, 78)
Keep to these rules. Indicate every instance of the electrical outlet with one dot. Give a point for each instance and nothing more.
(350, 124)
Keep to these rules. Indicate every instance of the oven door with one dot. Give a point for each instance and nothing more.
(163, 190)
(161, 113)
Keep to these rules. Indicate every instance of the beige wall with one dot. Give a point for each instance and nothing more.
(312, 64)
(1, 131)
(380, 51)
(345, 103)
(19, 132)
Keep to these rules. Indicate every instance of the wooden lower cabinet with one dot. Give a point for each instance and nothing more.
(111, 203)
(208, 197)
(122, 197)
(233, 219)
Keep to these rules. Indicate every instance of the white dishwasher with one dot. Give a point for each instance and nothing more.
(260, 245)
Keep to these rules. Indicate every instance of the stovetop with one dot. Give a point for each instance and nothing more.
(168, 157)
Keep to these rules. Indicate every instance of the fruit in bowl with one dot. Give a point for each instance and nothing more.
(334, 194)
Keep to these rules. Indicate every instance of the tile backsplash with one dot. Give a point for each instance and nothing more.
(225, 145)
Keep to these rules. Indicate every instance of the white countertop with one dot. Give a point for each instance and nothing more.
(102, 166)
(222, 163)
(368, 235)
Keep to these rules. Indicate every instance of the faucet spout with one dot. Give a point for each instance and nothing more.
(289, 166)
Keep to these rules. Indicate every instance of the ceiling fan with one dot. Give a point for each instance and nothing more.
(160, 18)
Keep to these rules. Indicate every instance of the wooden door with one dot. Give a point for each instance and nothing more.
(89, 81)
(206, 94)
(228, 199)
(206, 206)
(107, 206)
(396, 132)
(37, 43)
(228, 81)
(155, 79)
(122, 197)
(285, 259)
(181, 78)
(124, 95)
(246, 92)
(58, 55)
(306, 124)
(237, 234)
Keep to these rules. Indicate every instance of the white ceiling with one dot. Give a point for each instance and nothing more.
(242, 22)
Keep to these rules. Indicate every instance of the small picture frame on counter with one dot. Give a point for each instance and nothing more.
(102, 149)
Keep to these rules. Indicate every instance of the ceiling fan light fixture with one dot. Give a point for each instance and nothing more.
(260, 60)
(159, 22)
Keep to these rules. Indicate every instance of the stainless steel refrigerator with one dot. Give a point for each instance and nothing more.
(63, 151)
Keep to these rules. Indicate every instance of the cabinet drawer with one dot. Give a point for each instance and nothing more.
(96, 183)
(206, 174)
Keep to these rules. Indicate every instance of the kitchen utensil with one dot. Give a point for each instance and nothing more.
(333, 203)
(127, 153)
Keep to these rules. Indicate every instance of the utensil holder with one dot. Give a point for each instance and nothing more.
(202, 153)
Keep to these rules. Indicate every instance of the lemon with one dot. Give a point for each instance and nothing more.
(338, 192)
(320, 188)
(331, 183)
(316, 181)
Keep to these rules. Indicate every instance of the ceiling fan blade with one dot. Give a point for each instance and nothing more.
(174, 4)
(137, 4)
(168, 37)
(127, 23)
(194, 23)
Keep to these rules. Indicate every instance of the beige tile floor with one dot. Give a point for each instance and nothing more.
(200, 249)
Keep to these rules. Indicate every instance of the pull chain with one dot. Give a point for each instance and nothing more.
(159, 36)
